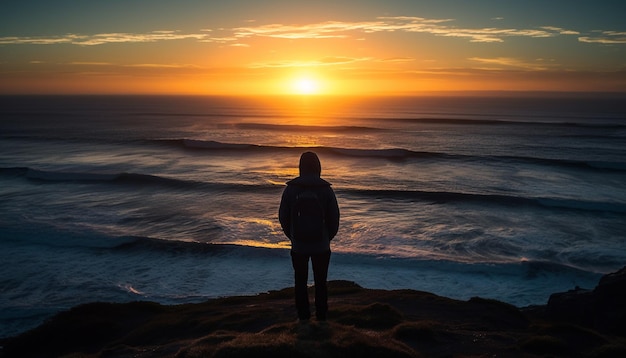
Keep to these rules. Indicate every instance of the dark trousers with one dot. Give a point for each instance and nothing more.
(300, 264)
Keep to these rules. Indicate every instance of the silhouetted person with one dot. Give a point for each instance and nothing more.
(309, 216)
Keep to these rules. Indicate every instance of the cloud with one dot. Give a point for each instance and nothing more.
(329, 29)
(106, 38)
(15, 40)
(326, 61)
(489, 34)
(163, 65)
(355, 30)
(337, 29)
(398, 59)
(498, 63)
(154, 36)
(560, 30)
(605, 37)
(437, 27)
(337, 60)
(84, 63)
(219, 39)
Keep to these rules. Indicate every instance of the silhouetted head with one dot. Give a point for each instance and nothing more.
(310, 164)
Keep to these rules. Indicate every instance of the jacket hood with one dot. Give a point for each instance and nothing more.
(310, 164)
(310, 171)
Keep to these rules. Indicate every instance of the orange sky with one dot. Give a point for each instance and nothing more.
(341, 47)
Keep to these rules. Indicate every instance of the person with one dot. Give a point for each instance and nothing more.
(318, 249)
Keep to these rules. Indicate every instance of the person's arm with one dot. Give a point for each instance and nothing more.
(332, 215)
(284, 213)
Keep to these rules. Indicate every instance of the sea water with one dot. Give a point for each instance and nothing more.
(175, 199)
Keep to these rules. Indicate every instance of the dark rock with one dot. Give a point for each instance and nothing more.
(603, 308)
(610, 302)
(575, 306)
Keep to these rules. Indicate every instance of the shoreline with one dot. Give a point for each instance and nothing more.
(368, 322)
(259, 270)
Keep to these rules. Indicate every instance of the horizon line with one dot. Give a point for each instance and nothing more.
(435, 93)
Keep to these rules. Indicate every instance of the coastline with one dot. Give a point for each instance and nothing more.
(91, 184)
(364, 322)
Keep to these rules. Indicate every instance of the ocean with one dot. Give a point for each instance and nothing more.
(174, 199)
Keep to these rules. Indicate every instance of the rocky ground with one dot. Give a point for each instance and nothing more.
(362, 323)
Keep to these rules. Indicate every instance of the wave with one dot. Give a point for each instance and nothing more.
(389, 153)
(392, 154)
(492, 199)
(500, 122)
(553, 119)
(127, 179)
(307, 128)
(65, 176)
(395, 154)
(514, 268)
(143, 244)
(143, 180)
(577, 164)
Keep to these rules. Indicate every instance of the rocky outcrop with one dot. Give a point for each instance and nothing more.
(603, 308)
(362, 323)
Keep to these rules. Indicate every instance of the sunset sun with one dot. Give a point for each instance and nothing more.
(306, 86)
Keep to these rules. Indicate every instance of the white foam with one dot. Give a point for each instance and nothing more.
(52, 278)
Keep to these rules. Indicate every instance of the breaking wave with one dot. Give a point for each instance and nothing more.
(143, 180)
(392, 154)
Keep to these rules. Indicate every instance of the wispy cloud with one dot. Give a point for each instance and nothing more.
(154, 36)
(490, 34)
(329, 61)
(355, 30)
(100, 39)
(605, 37)
(52, 40)
(438, 27)
(560, 30)
(398, 59)
(508, 62)
(326, 61)
(86, 63)
(163, 65)
(329, 29)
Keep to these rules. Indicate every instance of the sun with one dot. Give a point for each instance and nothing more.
(306, 86)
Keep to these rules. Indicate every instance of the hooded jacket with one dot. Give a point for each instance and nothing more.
(310, 171)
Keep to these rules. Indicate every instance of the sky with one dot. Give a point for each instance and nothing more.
(339, 47)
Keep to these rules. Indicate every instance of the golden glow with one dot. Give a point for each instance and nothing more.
(309, 52)
(299, 71)
(253, 243)
(306, 83)
(306, 86)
